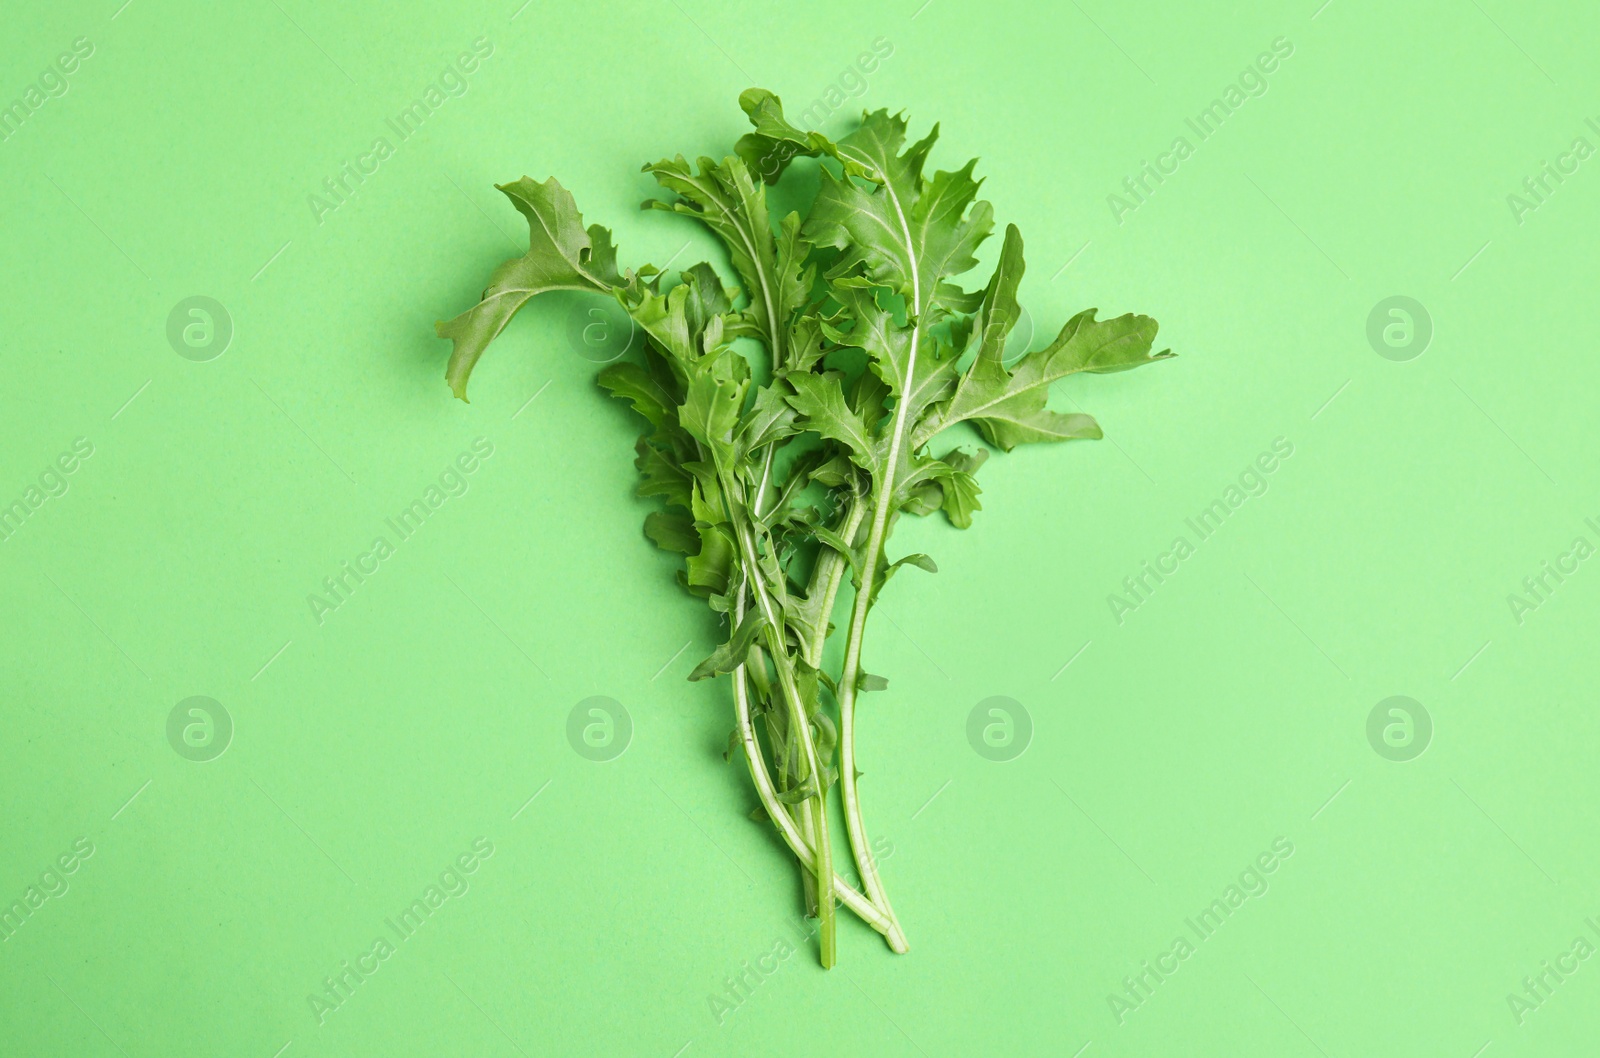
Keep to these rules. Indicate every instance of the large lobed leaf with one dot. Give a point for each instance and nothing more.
(561, 255)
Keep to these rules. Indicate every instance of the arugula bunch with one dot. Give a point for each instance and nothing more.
(780, 472)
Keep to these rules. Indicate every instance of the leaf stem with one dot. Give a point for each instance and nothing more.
(799, 723)
(855, 827)
(778, 812)
(871, 557)
(826, 578)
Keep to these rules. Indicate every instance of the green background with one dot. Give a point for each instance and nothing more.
(1228, 711)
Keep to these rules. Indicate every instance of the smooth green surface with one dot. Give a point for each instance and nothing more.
(1227, 711)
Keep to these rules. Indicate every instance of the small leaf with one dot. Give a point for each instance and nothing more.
(756, 668)
(771, 418)
(869, 682)
(921, 561)
(711, 410)
(960, 498)
(804, 792)
(820, 400)
(707, 299)
(672, 531)
(924, 499)
(827, 734)
(661, 475)
(960, 487)
(835, 541)
(833, 473)
(709, 569)
(965, 461)
(633, 383)
(1009, 404)
(774, 143)
(731, 654)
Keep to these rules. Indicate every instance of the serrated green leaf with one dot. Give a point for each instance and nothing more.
(662, 475)
(561, 255)
(725, 198)
(806, 344)
(960, 499)
(707, 572)
(731, 655)
(1008, 405)
(632, 383)
(916, 379)
(948, 484)
(711, 410)
(960, 486)
(919, 560)
(820, 401)
(774, 143)
(998, 311)
(835, 541)
(672, 531)
(907, 233)
(707, 299)
(771, 418)
(665, 318)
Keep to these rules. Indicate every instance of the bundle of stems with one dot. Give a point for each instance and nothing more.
(789, 419)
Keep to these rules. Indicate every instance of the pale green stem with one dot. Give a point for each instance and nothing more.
(871, 557)
(778, 812)
(826, 579)
(800, 726)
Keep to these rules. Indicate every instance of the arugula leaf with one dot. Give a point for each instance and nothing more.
(771, 418)
(921, 561)
(561, 255)
(711, 411)
(960, 487)
(672, 531)
(731, 654)
(1008, 403)
(774, 143)
(660, 474)
(631, 382)
(725, 199)
(906, 233)
(820, 402)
